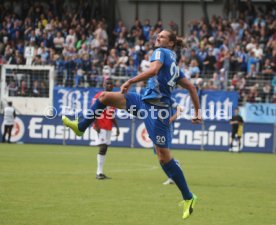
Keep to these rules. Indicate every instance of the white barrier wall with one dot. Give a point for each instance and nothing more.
(31, 104)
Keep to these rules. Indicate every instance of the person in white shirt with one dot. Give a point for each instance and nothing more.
(9, 116)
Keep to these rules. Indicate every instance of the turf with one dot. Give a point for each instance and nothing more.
(56, 185)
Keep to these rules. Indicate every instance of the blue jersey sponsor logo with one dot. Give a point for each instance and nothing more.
(160, 86)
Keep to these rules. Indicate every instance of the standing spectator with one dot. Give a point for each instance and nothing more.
(12, 87)
(145, 64)
(252, 72)
(118, 28)
(36, 89)
(58, 42)
(60, 67)
(146, 30)
(173, 27)
(71, 38)
(253, 93)
(273, 83)
(23, 89)
(132, 70)
(251, 60)
(267, 91)
(209, 62)
(159, 25)
(194, 73)
(9, 116)
(267, 71)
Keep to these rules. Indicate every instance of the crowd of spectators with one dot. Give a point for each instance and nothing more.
(220, 53)
(24, 83)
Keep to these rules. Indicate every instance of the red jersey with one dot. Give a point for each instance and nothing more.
(106, 120)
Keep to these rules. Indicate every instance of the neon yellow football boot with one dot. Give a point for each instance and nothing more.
(188, 206)
(72, 124)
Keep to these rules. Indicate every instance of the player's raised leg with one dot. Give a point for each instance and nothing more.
(173, 170)
(115, 99)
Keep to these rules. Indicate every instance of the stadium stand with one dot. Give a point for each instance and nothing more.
(237, 53)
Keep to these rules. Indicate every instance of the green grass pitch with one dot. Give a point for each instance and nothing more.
(56, 185)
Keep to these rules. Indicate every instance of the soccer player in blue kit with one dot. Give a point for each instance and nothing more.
(162, 76)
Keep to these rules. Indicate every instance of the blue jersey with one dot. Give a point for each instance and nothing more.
(159, 88)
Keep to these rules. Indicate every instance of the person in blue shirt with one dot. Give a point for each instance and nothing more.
(146, 30)
(155, 105)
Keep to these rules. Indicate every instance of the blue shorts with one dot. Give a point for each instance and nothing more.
(156, 119)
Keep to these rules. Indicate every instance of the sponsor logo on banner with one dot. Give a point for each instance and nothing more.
(260, 113)
(214, 137)
(143, 137)
(18, 130)
(216, 105)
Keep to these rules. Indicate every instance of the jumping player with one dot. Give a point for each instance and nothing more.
(163, 75)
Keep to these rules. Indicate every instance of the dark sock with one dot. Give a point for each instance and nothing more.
(173, 169)
(91, 115)
(166, 172)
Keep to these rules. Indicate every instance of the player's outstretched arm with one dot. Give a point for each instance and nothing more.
(185, 83)
(155, 66)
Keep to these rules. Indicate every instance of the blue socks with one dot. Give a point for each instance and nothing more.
(94, 112)
(166, 172)
(173, 170)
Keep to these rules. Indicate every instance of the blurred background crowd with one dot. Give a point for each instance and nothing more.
(232, 53)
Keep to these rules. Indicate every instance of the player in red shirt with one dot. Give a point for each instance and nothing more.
(103, 126)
